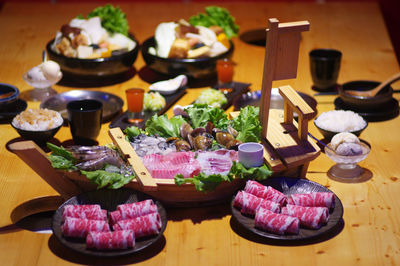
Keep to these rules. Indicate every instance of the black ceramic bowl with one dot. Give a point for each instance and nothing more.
(328, 135)
(8, 95)
(194, 67)
(39, 137)
(98, 67)
(361, 102)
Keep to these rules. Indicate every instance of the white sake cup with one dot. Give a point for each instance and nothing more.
(251, 154)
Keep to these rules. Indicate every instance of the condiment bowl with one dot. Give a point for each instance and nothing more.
(98, 67)
(8, 95)
(194, 67)
(39, 137)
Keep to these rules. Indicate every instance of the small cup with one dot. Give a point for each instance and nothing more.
(134, 98)
(225, 71)
(324, 66)
(251, 154)
(84, 117)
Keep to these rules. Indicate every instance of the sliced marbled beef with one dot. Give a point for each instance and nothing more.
(90, 212)
(132, 210)
(249, 203)
(75, 227)
(149, 224)
(310, 217)
(265, 192)
(313, 199)
(122, 239)
(276, 223)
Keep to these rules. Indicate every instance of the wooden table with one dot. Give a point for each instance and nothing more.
(208, 236)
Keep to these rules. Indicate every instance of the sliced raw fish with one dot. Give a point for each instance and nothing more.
(214, 162)
(168, 166)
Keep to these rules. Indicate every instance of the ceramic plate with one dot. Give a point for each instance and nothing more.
(291, 186)
(112, 104)
(108, 200)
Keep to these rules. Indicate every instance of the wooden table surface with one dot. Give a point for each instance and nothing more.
(208, 236)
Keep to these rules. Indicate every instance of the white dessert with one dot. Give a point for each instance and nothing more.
(44, 75)
(170, 86)
(346, 144)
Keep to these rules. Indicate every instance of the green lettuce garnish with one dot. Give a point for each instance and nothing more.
(112, 19)
(163, 126)
(200, 114)
(106, 179)
(218, 16)
(133, 131)
(205, 183)
(248, 125)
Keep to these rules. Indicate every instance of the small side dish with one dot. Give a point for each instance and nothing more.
(37, 120)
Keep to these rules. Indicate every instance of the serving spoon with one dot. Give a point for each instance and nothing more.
(376, 90)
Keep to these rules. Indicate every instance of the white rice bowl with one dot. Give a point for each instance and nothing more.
(37, 120)
(340, 121)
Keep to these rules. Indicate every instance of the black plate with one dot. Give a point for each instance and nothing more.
(112, 104)
(108, 200)
(6, 115)
(291, 186)
(388, 111)
(232, 91)
(121, 121)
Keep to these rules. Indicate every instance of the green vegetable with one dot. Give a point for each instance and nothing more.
(61, 151)
(133, 131)
(163, 126)
(60, 162)
(153, 101)
(209, 183)
(200, 114)
(212, 97)
(106, 179)
(248, 124)
(112, 19)
(216, 16)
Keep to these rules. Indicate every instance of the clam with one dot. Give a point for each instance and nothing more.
(223, 137)
(233, 131)
(233, 144)
(209, 127)
(202, 142)
(198, 131)
(185, 130)
(182, 145)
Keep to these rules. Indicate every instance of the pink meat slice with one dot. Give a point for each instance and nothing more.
(249, 203)
(90, 212)
(75, 227)
(133, 210)
(265, 192)
(276, 223)
(122, 239)
(313, 199)
(168, 166)
(310, 217)
(145, 225)
(215, 162)
(232, 154)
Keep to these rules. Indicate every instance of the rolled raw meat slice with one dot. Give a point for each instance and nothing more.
(90, 212)
(249, 203)
(133, 210)
(75, 227)
(311, 217)
(276, 223)
(146, 225)
(265, 192)
(122, 239)
(313, 199)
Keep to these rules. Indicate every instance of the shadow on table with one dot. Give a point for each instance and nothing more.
(199, 214)
(238, 229)
(72, 256)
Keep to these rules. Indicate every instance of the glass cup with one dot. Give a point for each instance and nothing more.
(225, 71)
(85, 118)
(134, 98)
(324, 66)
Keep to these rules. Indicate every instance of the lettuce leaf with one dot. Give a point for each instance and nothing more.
(205, 183)
(248, 125)
(106, 179)
(219, 16)
(133, 131)
(112, 19)
(200, 114)
(163, 126)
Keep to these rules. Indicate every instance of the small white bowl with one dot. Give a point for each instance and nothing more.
(251, 154)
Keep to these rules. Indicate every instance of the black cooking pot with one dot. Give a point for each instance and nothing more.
(362, 102)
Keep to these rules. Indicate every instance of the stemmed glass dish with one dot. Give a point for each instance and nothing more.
(347, 165)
